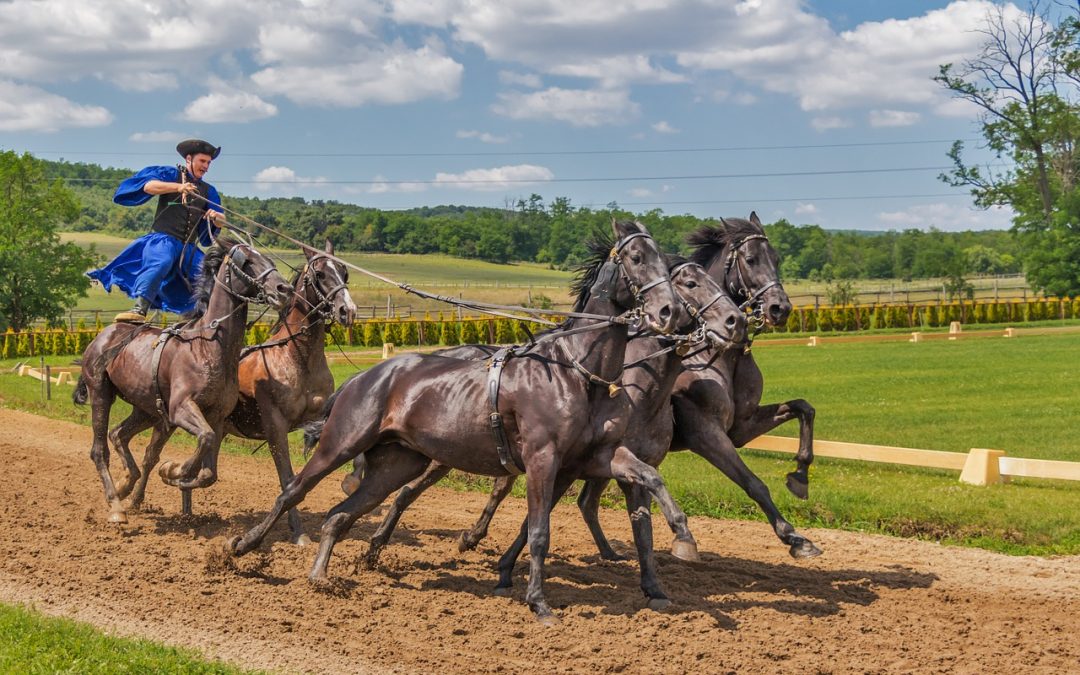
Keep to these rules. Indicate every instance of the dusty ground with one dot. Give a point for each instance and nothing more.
(869, 604)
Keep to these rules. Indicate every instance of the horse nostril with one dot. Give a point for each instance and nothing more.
(284, 290)
(730, 322)
(665, 313)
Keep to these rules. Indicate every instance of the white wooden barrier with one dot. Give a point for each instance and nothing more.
(61, 374)
(979, 466)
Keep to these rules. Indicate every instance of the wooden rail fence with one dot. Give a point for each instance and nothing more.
(979, 466)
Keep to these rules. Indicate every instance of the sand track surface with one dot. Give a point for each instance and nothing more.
(869, 604)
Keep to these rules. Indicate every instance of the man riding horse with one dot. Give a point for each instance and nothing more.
(159, 268)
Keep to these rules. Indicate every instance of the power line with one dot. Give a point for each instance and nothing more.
(771, 200)
(580, 179)
(538, 153)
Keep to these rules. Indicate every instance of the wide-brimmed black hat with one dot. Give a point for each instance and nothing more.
(195, 146)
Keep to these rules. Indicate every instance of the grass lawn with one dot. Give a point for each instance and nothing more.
(1016, 395)
(33, 643)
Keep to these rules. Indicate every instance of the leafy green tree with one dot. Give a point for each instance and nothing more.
(1023, 81)
(40, 277)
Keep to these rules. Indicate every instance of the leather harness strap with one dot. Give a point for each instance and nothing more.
(502, 443)
(155, 363)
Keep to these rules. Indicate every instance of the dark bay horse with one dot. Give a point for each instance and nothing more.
(560, 406)
(651, 369)
(716, 403)
(285, 381)
(183, 377)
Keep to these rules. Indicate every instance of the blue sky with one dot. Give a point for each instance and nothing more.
(816, 111)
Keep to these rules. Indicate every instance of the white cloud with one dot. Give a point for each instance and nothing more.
(946, 216)
(392, 75)
(893, 118)
(383, 186)
(229, 106)
(662, 127)
(144, 82)
(530, 80)
(578, 107)
(26, 108)
(157, 137)
(497, 178)
(482, 136)
(278, 177)
(640, 192)
(804, 209)
(827, 123)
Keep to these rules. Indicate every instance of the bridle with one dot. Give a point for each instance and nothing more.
(234, 262)
(752, 303)
(323, 308)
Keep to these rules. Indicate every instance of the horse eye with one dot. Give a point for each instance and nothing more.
(750, 260)
(691, 284)
(319, 275)
(635, 258)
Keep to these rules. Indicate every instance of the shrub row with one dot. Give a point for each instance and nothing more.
(440, 330)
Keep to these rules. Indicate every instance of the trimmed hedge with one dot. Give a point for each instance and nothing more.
(446, 330)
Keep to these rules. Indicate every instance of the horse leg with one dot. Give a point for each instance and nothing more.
(190, 418)
(352, 481)
(102, 398)
(540, 480)
(137, 422)
(499, 492)
(589, 504)
(162, 433)
(638, 503)
(389, 467)
(276, 431)
(764, 419)
(720, 451)
(621, 464)
(405, 497)
(334, 450)
(563, 481)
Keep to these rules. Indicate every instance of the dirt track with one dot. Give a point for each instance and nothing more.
(870, 603)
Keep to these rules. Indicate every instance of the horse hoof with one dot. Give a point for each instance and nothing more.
(804, 549)
(464, 543)
(798, 483)
(232, 545)
(118, 517)
(349, 484)
(685, 550)
(657, 604)
(502, 591)
(302, 540)
(166, 469)
(612, 556)
(548, 619)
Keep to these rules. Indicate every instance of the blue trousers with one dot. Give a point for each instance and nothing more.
(157, 267)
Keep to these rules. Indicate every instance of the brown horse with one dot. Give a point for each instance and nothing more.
(285, 381)
(560, 408)
(183, 377)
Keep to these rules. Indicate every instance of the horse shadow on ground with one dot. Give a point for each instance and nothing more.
(718, 585)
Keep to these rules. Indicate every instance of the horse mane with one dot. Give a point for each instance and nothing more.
(599, 247)
(709, 240)
(204, 282)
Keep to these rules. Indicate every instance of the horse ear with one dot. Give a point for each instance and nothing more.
(309, 252)
(624, 228)
(329, 246)
(754, 218)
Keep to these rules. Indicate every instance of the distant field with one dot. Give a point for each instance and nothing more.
(515, 284)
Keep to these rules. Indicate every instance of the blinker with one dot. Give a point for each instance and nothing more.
(606, 280)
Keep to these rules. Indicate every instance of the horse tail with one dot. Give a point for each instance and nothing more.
(82, 392)
(313, 429)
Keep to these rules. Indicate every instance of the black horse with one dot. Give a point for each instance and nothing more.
(560, 404)
(185, 377)
(653, 363)
(716, 407)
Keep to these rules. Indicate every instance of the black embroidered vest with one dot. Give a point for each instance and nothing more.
(179, 220)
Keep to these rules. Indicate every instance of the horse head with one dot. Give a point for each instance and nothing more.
(250, 275)
(738, 255)
(716, 316)
(642, 267)
(325, 286)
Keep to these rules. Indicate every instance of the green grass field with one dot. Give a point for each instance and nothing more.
(33, 643)
(1015, 395)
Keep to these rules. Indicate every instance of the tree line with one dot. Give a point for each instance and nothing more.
(553, 232)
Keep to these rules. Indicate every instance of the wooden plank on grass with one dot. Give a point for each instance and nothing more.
(937, 459)
(1039, 468)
